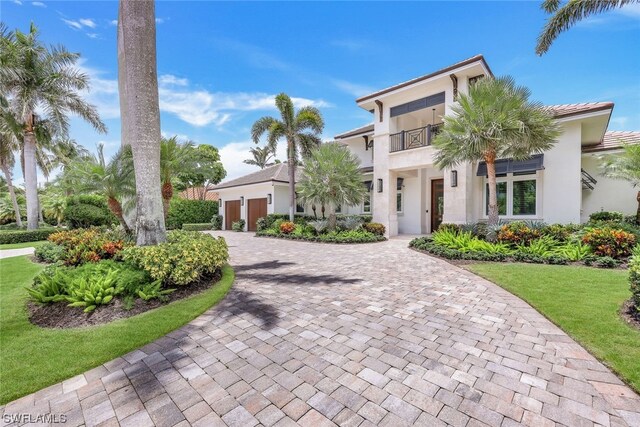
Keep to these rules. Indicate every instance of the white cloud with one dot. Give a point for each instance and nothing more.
(38, 4)
(354, 89)
(233, 154)
(170, 79)
(87, 22)
(93, 35)
(73, 24)
(18, 2)
(159, 20)
(632, 10)
(103, 92)
(113, 22)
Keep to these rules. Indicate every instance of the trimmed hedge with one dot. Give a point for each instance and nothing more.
(324, 238)
(88, 211)
(205, 226)
(23, 236)
(634, 278)
(184, 211)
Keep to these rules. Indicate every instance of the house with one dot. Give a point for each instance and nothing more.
(199, 193)
(410, 195)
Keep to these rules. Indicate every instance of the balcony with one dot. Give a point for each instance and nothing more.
(414, 138)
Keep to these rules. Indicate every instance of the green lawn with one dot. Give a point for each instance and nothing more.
(32, 358)
(22, 245)
(583, 301)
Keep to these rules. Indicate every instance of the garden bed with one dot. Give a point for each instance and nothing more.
(61, 315)
(369, 238)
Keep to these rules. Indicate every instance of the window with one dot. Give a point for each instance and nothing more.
(399, 202)
(339, 209)
(366, 204)
(299, 208)
(517, 195)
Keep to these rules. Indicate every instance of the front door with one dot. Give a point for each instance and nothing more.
(437, 203)
(256, 208)
(231, 213)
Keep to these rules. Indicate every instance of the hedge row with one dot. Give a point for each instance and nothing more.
(323, 238)
(203, 226)
(184, 211)
(22, 236)
(634, 279)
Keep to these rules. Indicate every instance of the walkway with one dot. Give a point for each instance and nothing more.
(8, 253)
(358, 335)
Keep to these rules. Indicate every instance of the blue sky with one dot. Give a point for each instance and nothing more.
(220, 63)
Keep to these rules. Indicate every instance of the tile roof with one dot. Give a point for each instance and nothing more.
(277, 172)
(477, 58)
(357, 131)
(194, 193)
(566, 110)
(613, 140)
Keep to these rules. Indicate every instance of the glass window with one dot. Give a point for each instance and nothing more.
(299, 208)
(399, 201)
(339, 209)
(524, 197)
(366, 204)
(502, 198)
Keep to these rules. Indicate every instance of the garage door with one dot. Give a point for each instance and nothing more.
(231, 213)
(256, 208)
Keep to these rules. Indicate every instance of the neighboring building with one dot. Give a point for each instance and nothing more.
(409, 195)
(199, 193)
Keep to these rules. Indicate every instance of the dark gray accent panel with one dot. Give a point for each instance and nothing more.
(418, 104)
(503, 166)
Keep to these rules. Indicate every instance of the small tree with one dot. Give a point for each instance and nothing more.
(494, 120)
(625, 166)
(175, 157)
(332, 178)
(261, 156)
(205, 169)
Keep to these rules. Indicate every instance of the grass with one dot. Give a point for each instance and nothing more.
(33, 358)
(22, 245)
(584, 302)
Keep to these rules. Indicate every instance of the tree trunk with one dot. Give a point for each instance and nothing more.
(140, 114)
(167, 194)
(292, 180)
(12, 193)
(493, 197)
(638, 211)
(31, 179)
(332, 220)
(116, 208)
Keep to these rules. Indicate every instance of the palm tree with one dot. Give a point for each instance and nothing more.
(566, 16)
(261, 156)
(53, 206)
(332, 178)
(301, 130)
(140, 113)
(8, 146)
(625, 166)
(34, 77)
(174, 158)
(494, 120)
(114, 179)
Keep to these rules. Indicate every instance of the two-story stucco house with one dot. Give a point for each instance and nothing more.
(409, 195)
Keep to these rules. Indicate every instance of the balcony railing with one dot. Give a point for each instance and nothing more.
(414, 138)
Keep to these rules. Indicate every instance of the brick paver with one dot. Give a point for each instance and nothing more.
(354, 335)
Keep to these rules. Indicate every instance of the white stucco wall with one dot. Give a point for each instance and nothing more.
(608, 194)
(409, 221)
(256, 191)
(356, 146)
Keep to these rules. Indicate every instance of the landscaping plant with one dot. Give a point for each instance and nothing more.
(610, 242)
(634, 278)
(238, 225)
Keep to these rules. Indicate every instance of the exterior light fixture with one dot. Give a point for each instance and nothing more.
(379, 185)
(241, 200)
(454, 178)
(269, 199)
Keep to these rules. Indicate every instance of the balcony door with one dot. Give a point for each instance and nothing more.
(437, 203)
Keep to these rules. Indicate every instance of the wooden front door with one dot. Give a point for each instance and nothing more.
(231, 213)
(437, 203)
(256, 208)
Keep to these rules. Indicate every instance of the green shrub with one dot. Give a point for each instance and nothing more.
(349, 223)
(573, 251)
(270, 219)
(374, 227)
(216, 222)
(634, 278)
(49, 253)
(12, 226)
(261, 224)
(528, 257)
(154, 291)
(319, 226)
(238, 225)
(91, 292)
(519, 233)
(89, 245)
(561, 232)
(197, 227)
(88, 211)
(607, 216)
(478, 229)
(544, 246)
(445, 227)
(183, 211)
(607, 242)
(556, 259)
(308, 233)
(606, 262)
(185, 258)
(23, 236)
(50, 286)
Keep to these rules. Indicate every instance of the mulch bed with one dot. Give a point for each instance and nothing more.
(630, 315)
(59, 315)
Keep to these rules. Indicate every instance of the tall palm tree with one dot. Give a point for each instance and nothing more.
(35, 77)
(332, 178)
(140, 113)
(301, 130)
(9, 129)
(175, 157)
(494, 120)
(261, 156)
(566, 16)
(625, 166)
(114, 179)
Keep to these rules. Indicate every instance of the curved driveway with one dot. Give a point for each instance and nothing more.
(358, 335)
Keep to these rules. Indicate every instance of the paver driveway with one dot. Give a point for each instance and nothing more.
(372, 334)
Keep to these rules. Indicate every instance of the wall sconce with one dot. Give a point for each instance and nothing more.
(241, 200)
(454, 178)
(379, 185)
(269, 200)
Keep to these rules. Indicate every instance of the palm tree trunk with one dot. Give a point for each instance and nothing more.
(167, 194)
(138, 83)
(493, 198)
(31, 179)
(116, 208)
(292, 180)
(12, 193)
(638, 211)
(331, 219)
